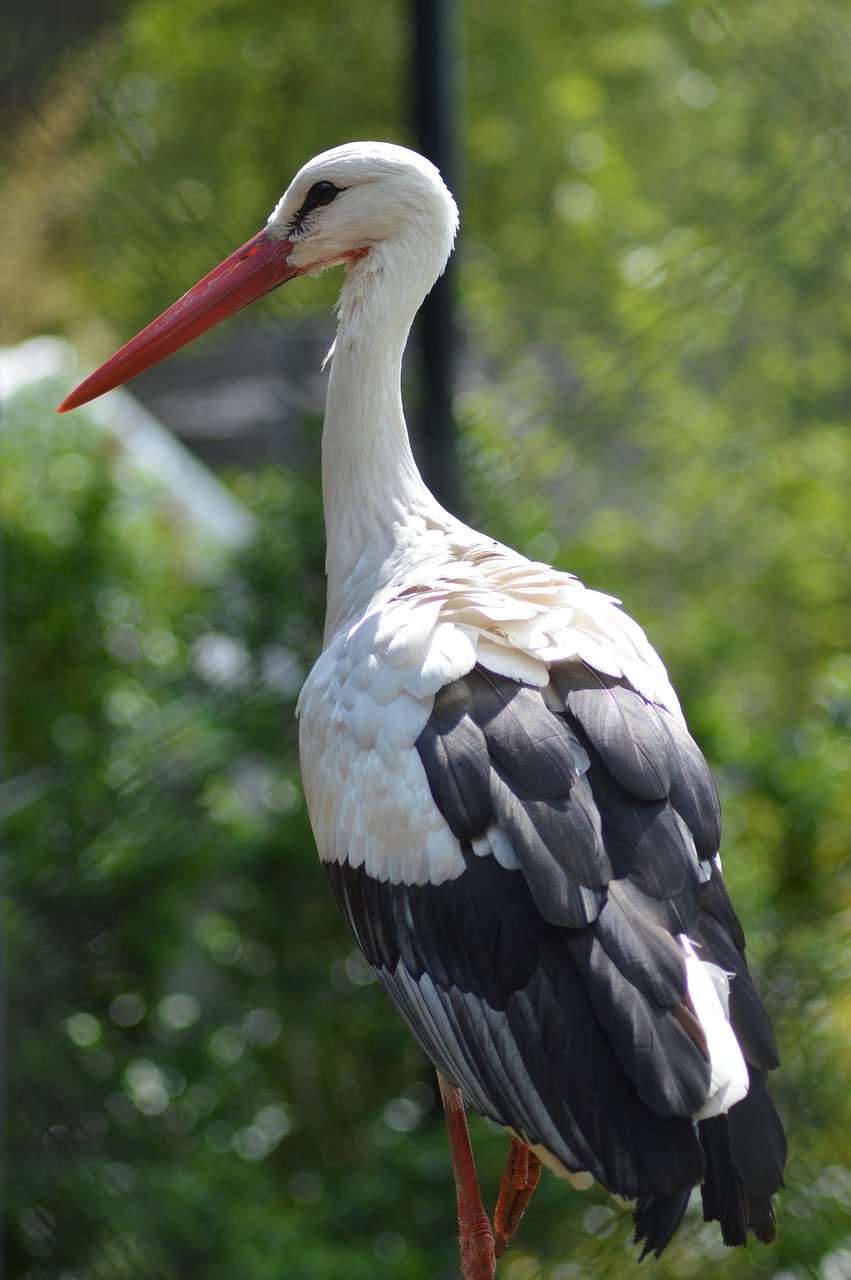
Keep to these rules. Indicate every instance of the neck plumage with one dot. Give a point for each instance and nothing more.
(374, 497)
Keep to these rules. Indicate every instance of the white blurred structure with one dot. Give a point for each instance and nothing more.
(203, 501)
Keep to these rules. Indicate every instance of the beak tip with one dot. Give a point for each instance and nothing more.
(258, 267)
(72, 401)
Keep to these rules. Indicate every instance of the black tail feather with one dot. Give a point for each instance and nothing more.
(723, 1193)
(745, 1153)
(657, 1219)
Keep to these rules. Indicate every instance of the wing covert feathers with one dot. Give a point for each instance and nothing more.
(578, 979)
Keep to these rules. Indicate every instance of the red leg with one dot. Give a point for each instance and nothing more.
(477, 1256)
(522, 1171)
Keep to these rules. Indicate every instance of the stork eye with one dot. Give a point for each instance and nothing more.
(321, 193)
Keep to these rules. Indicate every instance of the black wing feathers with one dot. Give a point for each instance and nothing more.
(651, 850)
(693, 795)
(523, 736)
(559, 847)
(642, 1032)
(549, 984)
(521, 1040)
(746, 1148)
(722, 940)
(631, 743)
(452, 749)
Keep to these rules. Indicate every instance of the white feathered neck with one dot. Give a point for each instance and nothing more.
(377, 506)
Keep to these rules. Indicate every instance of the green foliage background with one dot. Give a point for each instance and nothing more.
(654, 283)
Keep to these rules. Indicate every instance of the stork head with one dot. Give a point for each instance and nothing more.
(377, 207)
(360, 197)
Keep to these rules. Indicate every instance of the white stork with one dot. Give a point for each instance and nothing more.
(510, 812)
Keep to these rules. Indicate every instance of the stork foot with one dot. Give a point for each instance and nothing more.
(522, 1172)
(478, 1260)
(478, 1257)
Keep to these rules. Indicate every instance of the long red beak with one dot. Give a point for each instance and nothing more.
(257, 268)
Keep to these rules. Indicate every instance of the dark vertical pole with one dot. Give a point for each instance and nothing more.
(435, 123)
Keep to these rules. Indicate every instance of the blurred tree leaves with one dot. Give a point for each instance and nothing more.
(655, 263)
